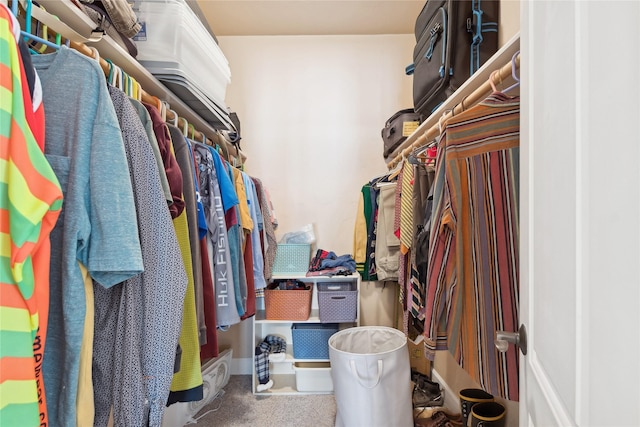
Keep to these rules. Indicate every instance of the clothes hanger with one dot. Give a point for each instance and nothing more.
(414, 156)
(492, 83)
(175, 116)
(42, 31)
(396, 171)
(514, 74)
(126, 82)
(136, 93)
(139, 97)
(185, 126)
(95, 54)
(136, 90)
(117, 77)
(112, 71)
(133, 87)
(26, 33)
(424, 155)
(442, 117)
(164, 106)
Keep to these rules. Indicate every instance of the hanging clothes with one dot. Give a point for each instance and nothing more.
(208, 349)
(258, 223)
(185, 162)
(132, 291)
(387, 249)
(423, 198)
(144, 314)
(399, 257)
(148, 124)
(98, 225)
(360, 236)
(29, 208)
(170, 166)
(473, 258)
(232, 222)
(246, 225)
(85, 407)
(269, 241)
(235, 232)
(405, 232)
(212, 189)
(186, 385)
(365, 264)
(254, 263)
(406, 208)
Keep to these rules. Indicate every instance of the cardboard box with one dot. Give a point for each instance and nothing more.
(417, 359)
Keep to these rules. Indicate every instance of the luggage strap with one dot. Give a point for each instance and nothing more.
(477, 27)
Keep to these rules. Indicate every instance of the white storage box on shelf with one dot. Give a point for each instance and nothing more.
(313, 377)
(176, 48)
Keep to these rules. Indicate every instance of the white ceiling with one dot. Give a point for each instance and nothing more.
(310, 17)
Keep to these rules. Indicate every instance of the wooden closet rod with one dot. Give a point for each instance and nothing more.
(149, 99)
(473, 98)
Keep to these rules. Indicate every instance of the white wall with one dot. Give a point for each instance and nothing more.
(311, 109)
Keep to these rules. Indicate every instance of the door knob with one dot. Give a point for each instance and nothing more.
(519, 339)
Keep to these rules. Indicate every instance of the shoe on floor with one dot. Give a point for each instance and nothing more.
(423, 382)
(435, 417)
(422, 397)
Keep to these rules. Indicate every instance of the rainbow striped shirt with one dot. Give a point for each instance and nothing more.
(30, 202)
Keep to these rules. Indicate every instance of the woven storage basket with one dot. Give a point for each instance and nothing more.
(311, 340)
(337, 301)
(292, 258)
(290, 304)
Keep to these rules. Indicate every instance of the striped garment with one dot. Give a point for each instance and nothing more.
(30, 202)
(406, 208)
(472, 279)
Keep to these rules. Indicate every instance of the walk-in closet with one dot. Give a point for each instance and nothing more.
(311, 213)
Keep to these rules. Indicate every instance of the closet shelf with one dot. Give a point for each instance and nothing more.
(68, 12)
(290, 359)
(297, 375)
(284, 385)
(497, 61)
(314, 317)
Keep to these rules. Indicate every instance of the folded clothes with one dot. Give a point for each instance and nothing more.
(326, 260)
(336, 271)
(346, 261)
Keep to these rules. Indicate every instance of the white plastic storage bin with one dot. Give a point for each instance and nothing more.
(174, 42)
(313, 376)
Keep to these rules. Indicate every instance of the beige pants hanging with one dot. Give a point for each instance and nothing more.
(387, 244)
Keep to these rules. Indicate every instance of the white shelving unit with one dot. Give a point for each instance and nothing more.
(283, 373)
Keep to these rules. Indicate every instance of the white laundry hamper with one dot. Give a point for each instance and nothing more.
(371, 377)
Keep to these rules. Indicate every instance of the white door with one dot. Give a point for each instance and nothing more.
(580, 213)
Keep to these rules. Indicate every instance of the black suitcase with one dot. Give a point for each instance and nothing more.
(397, 128)
(453, 39)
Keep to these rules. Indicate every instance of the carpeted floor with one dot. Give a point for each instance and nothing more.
(240, 407)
